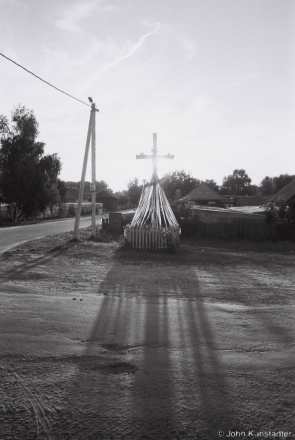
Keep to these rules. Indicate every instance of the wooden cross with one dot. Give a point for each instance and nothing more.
(155, 158)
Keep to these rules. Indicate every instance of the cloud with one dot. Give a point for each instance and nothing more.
(110, 8)
(188, 47)
(238, 82)
(78, 12)
(67, 26)
(130, 52)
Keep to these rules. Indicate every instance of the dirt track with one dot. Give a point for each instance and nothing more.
(102, 343)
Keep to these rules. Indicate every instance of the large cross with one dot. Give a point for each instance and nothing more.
(155, 157)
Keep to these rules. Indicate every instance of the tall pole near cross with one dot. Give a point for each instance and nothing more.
(155, 156)
(90, 136)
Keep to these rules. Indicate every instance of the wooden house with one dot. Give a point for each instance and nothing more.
(109, 202)
(284, 195)
(204, 195)
(248, 201)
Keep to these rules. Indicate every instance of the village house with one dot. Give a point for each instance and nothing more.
(109, 202)
(72, 195)
(204, 195)
(284, 195)
(248, 200)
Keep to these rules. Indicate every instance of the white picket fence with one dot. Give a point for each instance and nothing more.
(151, 238)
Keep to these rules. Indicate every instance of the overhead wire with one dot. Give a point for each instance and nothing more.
(88, 105)
(123, 123)
(46, 82)
(213, 161)
(62, 117)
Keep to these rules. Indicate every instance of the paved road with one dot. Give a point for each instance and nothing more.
(13, 236)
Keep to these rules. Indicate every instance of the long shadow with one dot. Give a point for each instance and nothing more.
(266, 319)
(150, 369)
(21, 270)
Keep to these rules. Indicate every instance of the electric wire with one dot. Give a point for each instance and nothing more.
(117, 120)
(123, 123)
(62, 117)
(46, 82)
(213, 161)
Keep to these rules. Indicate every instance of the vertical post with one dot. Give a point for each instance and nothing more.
(81, 189)
(155, 178)
(155, 171)
(93, 189)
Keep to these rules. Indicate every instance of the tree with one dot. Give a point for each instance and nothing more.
(267, 187)
(62, 189)
(134, 191)
(238, 183)
(282, 180)
(271, 185)
(102, 185)
(212, 184)
(122, 197)
(178, 180)
(28, 179)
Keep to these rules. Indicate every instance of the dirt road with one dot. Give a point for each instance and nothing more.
(102, 343)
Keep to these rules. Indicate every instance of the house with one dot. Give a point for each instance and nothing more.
(210, 214)
(72, 195)
(109, 202)
(248, 201)
(284, 195)
(204, 195)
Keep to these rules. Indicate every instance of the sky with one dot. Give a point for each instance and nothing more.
(215, 79)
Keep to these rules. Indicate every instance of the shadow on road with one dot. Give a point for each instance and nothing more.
(150, 369)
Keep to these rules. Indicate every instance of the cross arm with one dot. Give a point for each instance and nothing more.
(144, 156)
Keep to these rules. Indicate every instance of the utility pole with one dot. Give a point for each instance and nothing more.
(90, 135)
(93, 183)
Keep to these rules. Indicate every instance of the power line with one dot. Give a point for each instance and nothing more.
(117, 120)
(46, 82)
(62, 117)
(213, 161)
(123, 123)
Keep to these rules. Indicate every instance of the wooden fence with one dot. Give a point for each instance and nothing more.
(245, 231)
(152, 238)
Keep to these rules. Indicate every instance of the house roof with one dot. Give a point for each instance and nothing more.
(284, 194)
(72, 193)
(204, 192)
(105, 195)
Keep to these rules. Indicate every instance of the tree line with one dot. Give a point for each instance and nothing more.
(28, 178)
(30, 183)
(180, 182)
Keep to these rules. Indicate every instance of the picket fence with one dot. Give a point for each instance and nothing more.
(245, 231)
(150, 238)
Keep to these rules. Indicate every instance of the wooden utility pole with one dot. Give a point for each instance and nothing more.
(90, 135)
(93, 184)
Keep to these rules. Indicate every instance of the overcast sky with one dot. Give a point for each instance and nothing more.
(214, 78)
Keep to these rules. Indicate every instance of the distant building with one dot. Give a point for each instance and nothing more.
(72, 195)
(204, 195)
(284, 195)
(248, 201)
(109, 202)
